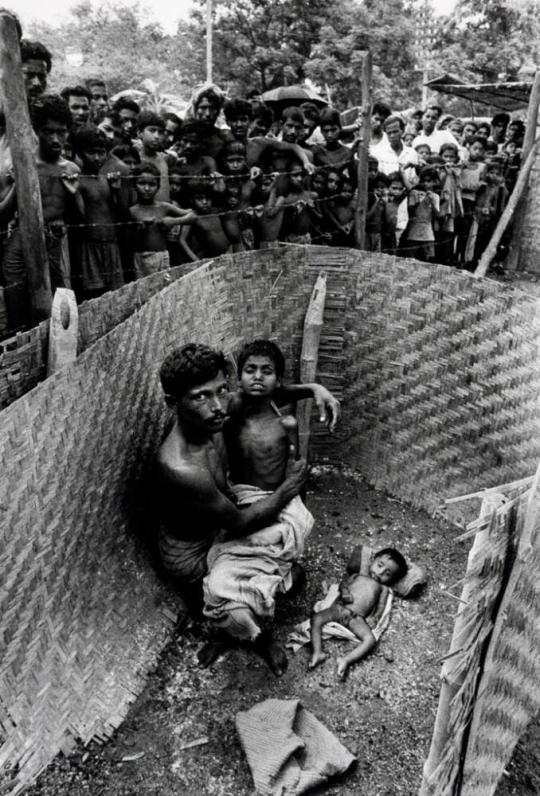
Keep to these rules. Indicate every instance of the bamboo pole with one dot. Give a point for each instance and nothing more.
(23, 153)
(523, 178)
(363, 151)
(209, 41)
(63, 330)
(512, 261)
(309, 357)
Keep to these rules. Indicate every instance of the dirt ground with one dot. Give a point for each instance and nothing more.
(383, 712)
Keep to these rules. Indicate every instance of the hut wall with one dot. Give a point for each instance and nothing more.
(439, 376)
(529, 255)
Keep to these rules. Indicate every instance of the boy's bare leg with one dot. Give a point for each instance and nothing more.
(362, 630)
(318, 620)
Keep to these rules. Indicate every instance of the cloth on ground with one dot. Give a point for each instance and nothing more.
(289, 751)
(244, 574)
(300, 636)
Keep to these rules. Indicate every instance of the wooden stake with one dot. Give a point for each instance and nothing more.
(209, 41)
(309, 358)
(63, 331)
(523, 178)
(363, 152)
(23, 154)
(512, 261)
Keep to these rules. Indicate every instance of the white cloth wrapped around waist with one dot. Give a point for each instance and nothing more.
(247, 572)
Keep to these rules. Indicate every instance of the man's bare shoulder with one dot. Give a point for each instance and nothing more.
(182, 471)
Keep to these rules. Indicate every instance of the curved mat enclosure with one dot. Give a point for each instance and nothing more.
(439, 375)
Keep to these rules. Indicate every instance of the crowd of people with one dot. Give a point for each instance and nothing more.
(129, 191)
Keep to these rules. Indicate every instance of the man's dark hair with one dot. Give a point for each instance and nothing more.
(95, 81)
(398, 559)
(478, 139)
(35, 51)
(236, 107)
(212, 96)
(126, 151)
(75, 91)
(501, 118)
(293, 113)
(262, 348)
(393, 119)
(192, 127)
(436, 108)
(311, 112)
(50, 106)
(449, 148)
(172, 117)
(145, 167)
(382, 109)
(259, 110)
(329, 116)
(428, 173)
(149, 119)
(188, 367)
(88, 137)
(396, 176)
(124, 103)
(471, 124)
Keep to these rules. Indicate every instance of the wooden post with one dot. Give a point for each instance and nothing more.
(309, 357)
(512, 261)
(363, 152)
(491, 249)
(23, 154)
(209, 41)
(63, 330)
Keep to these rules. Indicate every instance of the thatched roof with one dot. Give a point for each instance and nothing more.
(508, 96)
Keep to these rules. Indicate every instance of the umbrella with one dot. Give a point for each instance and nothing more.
(292, 95)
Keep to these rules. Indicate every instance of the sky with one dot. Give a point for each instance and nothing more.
(167, 12)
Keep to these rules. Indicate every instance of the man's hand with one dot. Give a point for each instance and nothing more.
(296, 473)
(328, 406)
(70, 182)
(114, 178)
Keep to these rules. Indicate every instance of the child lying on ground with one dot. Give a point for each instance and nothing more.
(363, 595)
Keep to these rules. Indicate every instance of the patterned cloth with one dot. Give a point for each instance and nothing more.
(245, 574)
(146, 263)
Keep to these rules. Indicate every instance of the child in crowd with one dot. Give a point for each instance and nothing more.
(423, 207)
(177, 255)
(363, 596)
(471, 181)
(376, 212)
(98, 254)
(298, 203)
(191, 162)
(424, 154)
(151, 134)
(332, 152)
(489, 205)
(340, 208)
(512, 153)
(128, 155)
(154, 217)
(235, 168)
(205, 236)
(395, 213)
(451, 206)
(267, 220)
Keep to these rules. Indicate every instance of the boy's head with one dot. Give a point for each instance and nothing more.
(330, 123)
(388, 566)
(494, 171)
(456, 128)
(292, 124)
(491, 150)
(318, 182)
(483, 130)
(477, 149)
(92, 146)
(423, 151)
(127, 110)
(260, 368)
(262, 118)
(147, 181)
(312, 118)
(151, 131)
(234, 158)
(379, 184)
(372, 167)
(78, 99)
(499, 123)
(515, 131)
(396, 186)
(347, 187)
(173, 123)
(111, 127)
(296, 178)
(238, 116)
(99, 102)
(409, 135)
(511, 148)
(333, 181)
(470, 129)
(52, 121)
(428, 178)
(449, 153)
(176, 182)
(128, 155)
(207, 105)
(201, 194)
(194, 380)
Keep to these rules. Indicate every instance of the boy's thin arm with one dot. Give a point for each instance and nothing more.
(328, 406)
(185, 245)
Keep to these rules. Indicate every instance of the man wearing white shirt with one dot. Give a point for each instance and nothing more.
(396, 156)
(378, 142)
(429, 135)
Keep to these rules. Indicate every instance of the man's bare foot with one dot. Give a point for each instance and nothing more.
(272, 652)
(342, 667)
(316, 658)
(213, 649)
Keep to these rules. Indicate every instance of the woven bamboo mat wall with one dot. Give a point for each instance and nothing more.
(529, 259)
(23, 362)
(439, 375)
(80, 611)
